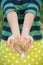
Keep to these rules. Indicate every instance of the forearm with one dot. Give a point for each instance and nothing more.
(13, 22)
(28, 20)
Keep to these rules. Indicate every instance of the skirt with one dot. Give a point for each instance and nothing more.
(34, 57)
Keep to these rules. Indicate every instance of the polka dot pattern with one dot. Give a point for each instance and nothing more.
(4, 63)
(17, 61)
(34, 57)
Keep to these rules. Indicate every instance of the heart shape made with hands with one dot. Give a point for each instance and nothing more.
(20, 46)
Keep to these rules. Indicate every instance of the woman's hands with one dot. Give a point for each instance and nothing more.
(20, 44)
(11, 41)
(27, 42)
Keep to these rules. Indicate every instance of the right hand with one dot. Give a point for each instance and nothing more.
(11, 41)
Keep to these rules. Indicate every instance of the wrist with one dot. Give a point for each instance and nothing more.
(25, 33)
(16, 32)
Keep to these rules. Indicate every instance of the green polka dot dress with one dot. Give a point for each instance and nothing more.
(34, 57)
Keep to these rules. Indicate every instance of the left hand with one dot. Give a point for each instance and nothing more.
(27, 41)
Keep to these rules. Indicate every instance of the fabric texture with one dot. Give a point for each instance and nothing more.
(22, 7)
(34, 57)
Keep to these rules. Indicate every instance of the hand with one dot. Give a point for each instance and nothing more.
(11, 42)
(27, 41)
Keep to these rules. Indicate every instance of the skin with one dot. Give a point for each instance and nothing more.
(13, 22)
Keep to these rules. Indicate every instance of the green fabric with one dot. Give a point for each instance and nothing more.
(35, 33)
(18, 8)
(6, 33)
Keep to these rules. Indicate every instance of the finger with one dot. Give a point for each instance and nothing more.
(19, 49)
(31, 40)
(25, 43)
(9, 41)
(13, 48)
(22, 40)
(29, 48)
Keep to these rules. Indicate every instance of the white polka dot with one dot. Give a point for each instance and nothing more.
(13, 57)
(10, 53)
(32, 60)
(4, 63)
(0, 47)
(2, 58)
(37, 63)
(28, 57)
(5, 56)
(32, 52)
(12, 64)
(38, 44)
(22, 56)
(2, 52)
(39, 51)
(16, 61)
(36, 56)
(32, 47)
(42, 54)
(35, 48)
(42, 61)
(35, 42)
(42, 41)
(8, 60)
(41, 46)
(4, 45)
(39, 58)
(29, 64)
(24, 61)
(6, 49)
